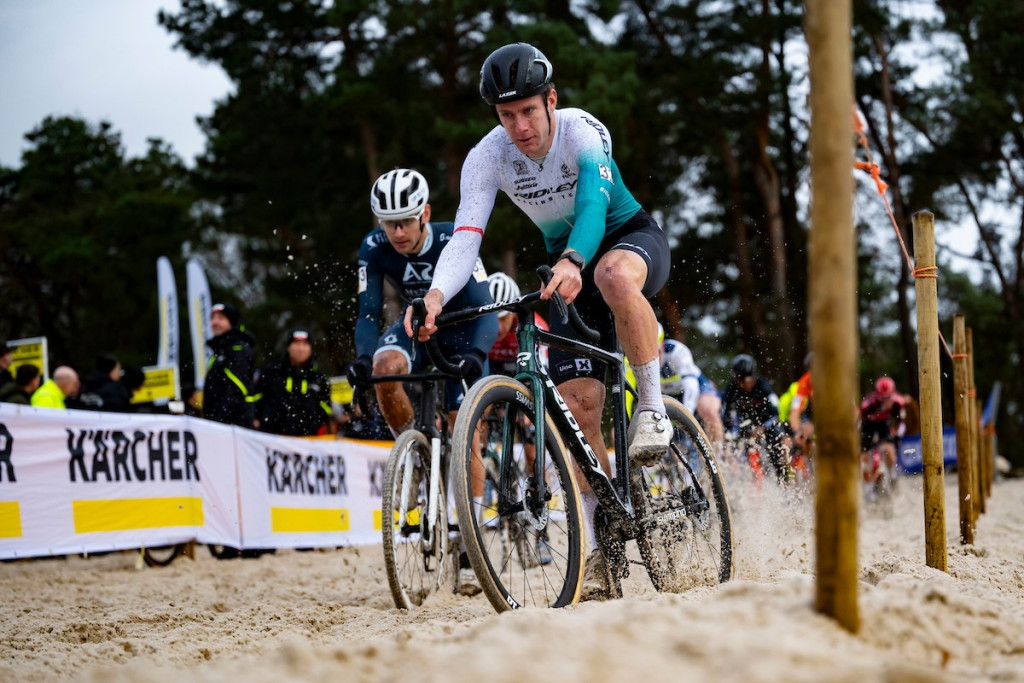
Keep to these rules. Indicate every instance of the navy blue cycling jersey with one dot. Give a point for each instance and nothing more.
(411, 275)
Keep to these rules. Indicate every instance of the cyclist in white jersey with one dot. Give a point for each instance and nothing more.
(608, 255)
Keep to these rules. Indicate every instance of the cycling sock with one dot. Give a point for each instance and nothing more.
(478, 505)
(589, 500)
(648, 387)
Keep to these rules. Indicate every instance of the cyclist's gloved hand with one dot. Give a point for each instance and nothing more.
(472, 367)
(359, 370)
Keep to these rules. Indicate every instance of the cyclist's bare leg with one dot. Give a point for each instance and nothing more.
(476, 463)
(394, 403)
(620, 276)
(585, 398)
(709, 409)
(889, 454)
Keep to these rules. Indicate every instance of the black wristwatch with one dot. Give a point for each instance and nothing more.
(573, 257)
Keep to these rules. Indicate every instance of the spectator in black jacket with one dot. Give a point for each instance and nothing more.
(228, 389)
(102, 388)
(26, 380)
(294, 396)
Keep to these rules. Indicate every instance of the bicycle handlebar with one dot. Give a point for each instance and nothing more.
(567, 312)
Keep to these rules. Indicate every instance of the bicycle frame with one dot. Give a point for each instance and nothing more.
(612, 493)
(428, 409)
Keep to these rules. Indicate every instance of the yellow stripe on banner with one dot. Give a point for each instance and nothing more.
(412, 517)
(286, 520)
(136, 513)
(10, 520)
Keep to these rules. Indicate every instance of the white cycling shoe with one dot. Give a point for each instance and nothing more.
(650, 434)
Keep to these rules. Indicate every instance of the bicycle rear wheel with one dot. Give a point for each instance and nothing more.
(162, 555)
(415, 554)
(502, 536)
(683, 526)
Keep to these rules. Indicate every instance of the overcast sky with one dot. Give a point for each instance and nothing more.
(100, 60)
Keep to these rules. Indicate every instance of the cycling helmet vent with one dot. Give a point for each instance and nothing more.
(502, 287)
(401, 193)
(514, 72)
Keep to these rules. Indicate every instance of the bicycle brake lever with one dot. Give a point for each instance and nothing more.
(546, 274)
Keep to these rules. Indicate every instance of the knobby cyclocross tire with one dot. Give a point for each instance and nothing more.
(162, 555)
(517, 574)
(416, 567)
(684, 531)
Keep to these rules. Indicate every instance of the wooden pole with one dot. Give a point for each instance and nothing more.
(964, 470)
(979, 451)
(833, 309)
(977, 502)
(930, 401)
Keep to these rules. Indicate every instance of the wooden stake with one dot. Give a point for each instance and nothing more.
(930, 400)
(964, 469)
(977, 502)
(833, 309)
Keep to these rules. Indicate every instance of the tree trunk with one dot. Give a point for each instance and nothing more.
(750, 314)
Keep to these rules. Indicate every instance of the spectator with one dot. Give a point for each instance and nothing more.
(6, 357)
(103, 390)
(26, 381)
(54, 391)
(294, 396)
(227, 394)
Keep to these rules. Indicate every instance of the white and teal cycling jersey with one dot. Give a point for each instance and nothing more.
(575, 195)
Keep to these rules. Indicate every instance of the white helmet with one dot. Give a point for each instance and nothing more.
(401, 193)
(503, 287)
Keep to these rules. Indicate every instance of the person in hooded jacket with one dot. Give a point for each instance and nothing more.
(293, 395)
(102, 388)
(228, 395)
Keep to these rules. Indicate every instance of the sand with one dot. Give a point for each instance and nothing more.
(328, 614)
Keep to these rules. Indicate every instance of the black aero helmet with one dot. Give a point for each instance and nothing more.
(514, 72)
(744, 366)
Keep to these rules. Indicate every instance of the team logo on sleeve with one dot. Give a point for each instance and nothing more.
(362, 279)
(605, 172)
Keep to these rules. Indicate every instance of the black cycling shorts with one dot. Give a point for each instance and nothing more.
(642, 235)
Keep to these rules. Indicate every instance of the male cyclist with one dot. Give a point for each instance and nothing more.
(750, 409)
(404, 248)
(881, 422)
(608, 255)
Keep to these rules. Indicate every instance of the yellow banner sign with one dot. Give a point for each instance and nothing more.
(29, 351)
(161, 383)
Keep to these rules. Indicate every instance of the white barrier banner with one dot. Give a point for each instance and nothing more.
(75, 481)
(82, 481)
(309, 492)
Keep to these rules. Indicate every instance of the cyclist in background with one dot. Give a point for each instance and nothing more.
(750, 409)
(881, 423)
(502, 356)
(681, 378)
(404, 249)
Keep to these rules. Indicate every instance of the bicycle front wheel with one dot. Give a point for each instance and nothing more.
(526, 542)
(415, 551)
(684, 529)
